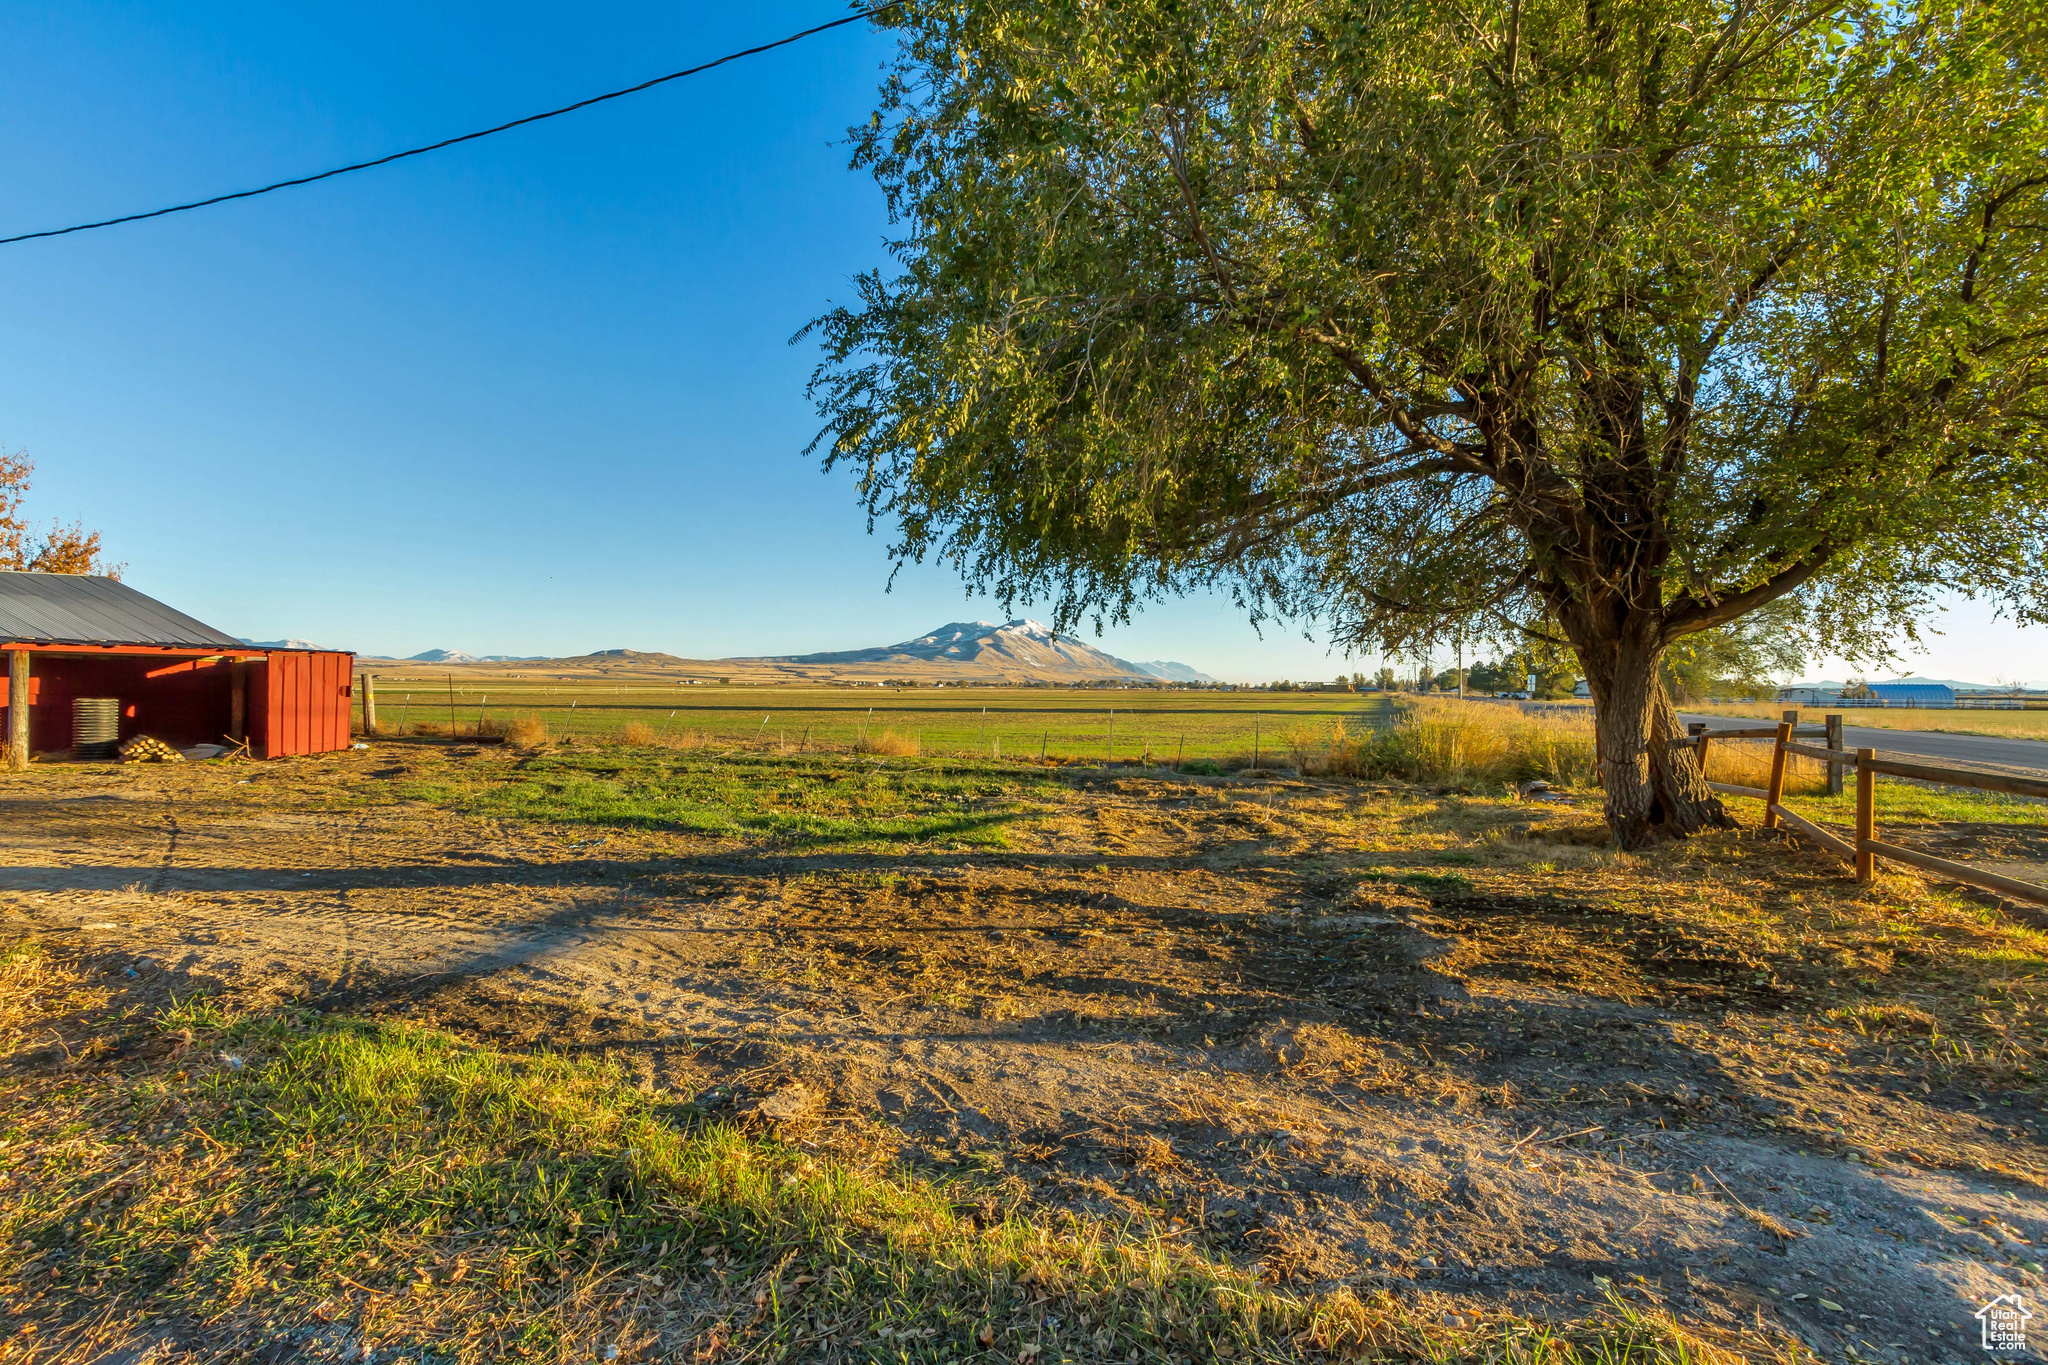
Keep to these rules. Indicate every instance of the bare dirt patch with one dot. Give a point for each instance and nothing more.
(1374, 1037)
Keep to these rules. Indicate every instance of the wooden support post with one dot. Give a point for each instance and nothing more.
(238, 700)
(1835, 742)
(369, 707)
(1866, 815)
(1776, 791)
(17, 709)
(1698, 730)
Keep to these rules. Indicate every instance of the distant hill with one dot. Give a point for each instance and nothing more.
(1174, 672)
(1015, 647)
(280, 644)
(456, 656)
(1918, 678)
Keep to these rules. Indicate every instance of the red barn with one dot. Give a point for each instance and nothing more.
(175, 678)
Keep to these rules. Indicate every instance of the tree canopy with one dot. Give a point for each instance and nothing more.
(1606, 322)
(56, 548)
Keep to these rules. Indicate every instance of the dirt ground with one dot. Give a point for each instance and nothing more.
(1439, 1044)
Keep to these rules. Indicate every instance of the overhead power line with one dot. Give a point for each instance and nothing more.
(853, 18)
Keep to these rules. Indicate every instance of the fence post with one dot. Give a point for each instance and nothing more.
(238, 700)
(1696, 730)
(1777, 789)
(1835, 743)
(18, 685)
(369, 707)
(1866, 815)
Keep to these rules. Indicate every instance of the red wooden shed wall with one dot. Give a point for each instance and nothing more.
(299, 702)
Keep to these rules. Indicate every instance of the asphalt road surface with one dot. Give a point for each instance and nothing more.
(2026, 755)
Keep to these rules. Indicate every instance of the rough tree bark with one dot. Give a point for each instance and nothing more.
(1653, 791)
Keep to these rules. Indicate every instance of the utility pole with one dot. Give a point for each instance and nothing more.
(1461, 665)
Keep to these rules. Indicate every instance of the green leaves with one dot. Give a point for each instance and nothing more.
(1407, 316)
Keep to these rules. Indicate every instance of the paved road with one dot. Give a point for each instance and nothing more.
(2027, 755)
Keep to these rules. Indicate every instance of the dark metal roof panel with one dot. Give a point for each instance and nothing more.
(75, 609)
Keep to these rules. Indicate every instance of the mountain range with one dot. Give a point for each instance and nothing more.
(431, 656)
(456, 656)
(1918, 678)
(1020, 651)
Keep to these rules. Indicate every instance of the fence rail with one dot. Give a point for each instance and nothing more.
(1869, 765)
(1699, 735)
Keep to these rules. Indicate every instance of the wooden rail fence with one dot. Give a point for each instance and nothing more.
(1869, 764)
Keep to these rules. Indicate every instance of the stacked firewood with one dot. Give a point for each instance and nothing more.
(145, 749)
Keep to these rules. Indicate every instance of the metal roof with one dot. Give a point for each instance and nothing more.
(1912, 691)
(75, 609)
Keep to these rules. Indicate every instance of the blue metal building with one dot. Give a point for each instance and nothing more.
(1913, 694)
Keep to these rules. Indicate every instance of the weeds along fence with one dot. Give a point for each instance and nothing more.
(1434, 740)
(1428, 740)
(1419, 739)
(1865, 848)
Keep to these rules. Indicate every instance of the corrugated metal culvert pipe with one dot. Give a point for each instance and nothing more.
(95, 726)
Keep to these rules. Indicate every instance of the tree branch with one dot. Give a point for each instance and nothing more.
(1688, 614)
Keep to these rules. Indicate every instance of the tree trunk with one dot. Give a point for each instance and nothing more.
(1653, 791)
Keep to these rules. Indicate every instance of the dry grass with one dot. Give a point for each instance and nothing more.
(527, 732)
(1768, 956)
(888, 742)
(1747, 763)
(23, 969)
(1450, 742)
(637, 733)
(1481, 744)
(249, 1182)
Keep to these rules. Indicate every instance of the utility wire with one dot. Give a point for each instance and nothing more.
(453, 141)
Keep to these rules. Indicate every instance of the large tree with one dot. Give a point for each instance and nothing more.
(1606, 321)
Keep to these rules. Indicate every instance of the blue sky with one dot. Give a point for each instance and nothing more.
(533, 395)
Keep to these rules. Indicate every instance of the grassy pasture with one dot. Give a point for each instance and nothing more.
(710, 741)
(1008, 722)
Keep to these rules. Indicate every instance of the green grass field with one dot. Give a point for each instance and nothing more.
(810, 799)
(1004, 722)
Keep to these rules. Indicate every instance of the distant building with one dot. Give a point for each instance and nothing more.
(1810, 696)
(1912, 694)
